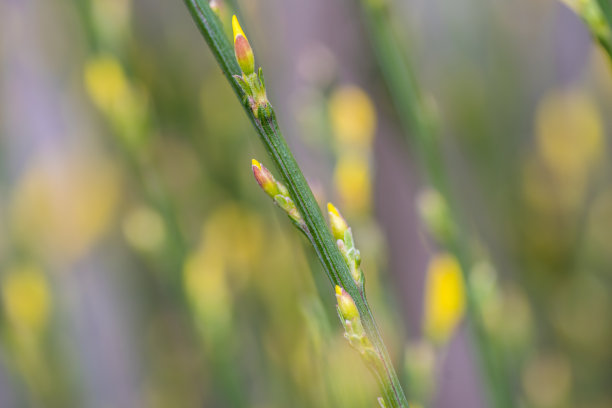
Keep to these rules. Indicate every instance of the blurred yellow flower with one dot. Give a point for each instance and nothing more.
(235, 233)
(570, 136)
(105, 81)
(124, 104)
(352, 116)
(570, 145)
(26, 298)
(444, 297)
(62, 205)
(205, 283)
(231, 241)
(352, 181)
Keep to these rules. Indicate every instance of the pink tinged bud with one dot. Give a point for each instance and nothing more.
(337, 222)
(346, 306)
(242, 49)
(214, 5)
(265, 179)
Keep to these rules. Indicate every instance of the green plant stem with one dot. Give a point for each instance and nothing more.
(605, 37)
(597, 16)
(317, 231)
(606, 44)
(417, 122)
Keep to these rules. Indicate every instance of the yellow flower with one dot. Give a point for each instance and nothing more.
(444, 297)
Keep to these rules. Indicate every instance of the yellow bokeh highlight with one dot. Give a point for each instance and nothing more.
(124, 104)
(105, 81)
(444, 297)
(353, 122)
(570, 149)
(62, 205)
(352, 116)
(205, 282)
(26, 298)
(569, 132)
(235, 233)
(230, 244)
(352, 182)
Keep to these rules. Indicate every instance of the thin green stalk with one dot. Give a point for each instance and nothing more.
(606, 9)
(316, 230)
(597, 16)
(416, 121)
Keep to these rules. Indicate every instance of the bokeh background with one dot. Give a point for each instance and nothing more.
(141, 266)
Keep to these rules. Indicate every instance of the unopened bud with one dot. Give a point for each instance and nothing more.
(265, 179)
(214, 6)
(346, 305)
(242, 49)
(337, 222)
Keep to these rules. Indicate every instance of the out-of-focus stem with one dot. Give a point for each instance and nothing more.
(597, 16)
(419, 129)
(606, 41)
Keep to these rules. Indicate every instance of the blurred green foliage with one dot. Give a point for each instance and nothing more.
(140, 265)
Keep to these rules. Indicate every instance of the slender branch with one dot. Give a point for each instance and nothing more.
(597, 16)
(602, 30)
(266, 124)
(417, 122)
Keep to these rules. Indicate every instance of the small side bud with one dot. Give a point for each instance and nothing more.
(278, 192)
(346, 305)
(242, 49)
(337, 222)
(265, 179)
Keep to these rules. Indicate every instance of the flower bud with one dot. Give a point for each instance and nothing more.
(337, 222)
(346, 305)
(265, 179)
(214, 6)
(242, 49)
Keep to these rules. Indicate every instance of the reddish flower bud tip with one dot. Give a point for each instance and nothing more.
(214, 5)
